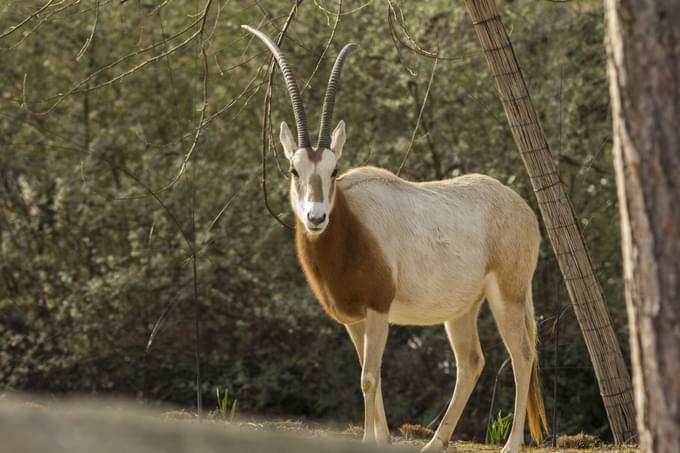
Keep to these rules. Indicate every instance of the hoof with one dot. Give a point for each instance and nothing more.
(434, 446)
(510, 449)
(383, 439)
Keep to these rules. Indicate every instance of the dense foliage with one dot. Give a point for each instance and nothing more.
(91, 259)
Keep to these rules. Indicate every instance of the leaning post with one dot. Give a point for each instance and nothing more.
(560, 221)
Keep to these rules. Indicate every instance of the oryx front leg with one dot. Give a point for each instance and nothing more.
(382, 433)
(375, 337)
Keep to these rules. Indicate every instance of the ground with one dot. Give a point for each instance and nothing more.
(111, 426)
(581, 443)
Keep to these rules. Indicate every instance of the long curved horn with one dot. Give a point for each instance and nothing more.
(295, 98)
(329, 99)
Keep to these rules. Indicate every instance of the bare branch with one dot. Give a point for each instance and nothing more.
(91, 37)
(395, 13)
(199, 128)
(420, 115)
(14, 28)
(42, 20)
(252, 87)
(266, 123)
(325, 49)
(347, 13)
(219, 215)
(76, 89)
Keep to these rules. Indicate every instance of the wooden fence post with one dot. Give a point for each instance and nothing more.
(560, 221)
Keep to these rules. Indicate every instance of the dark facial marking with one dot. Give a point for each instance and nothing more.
(315, 188)
(314, 155)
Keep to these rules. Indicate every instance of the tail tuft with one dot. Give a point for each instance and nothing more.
(538, 423)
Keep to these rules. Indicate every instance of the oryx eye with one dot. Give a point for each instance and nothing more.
(294, 173)
(335, 173)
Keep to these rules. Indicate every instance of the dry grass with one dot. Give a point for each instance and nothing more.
(414, 436)
(578, 441)
(354, 431)
(415, 432)
(472, 447)
(178, 415)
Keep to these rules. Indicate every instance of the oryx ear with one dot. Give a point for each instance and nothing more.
(287, 140)
(338, 139)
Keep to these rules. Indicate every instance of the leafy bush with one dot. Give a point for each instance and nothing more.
(90, 262)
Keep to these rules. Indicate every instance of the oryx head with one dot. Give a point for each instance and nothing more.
(313, 169)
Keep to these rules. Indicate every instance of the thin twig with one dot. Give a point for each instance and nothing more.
(251, 89)
(493, 394)
(325, 49)
(91, 37)
(197, 339)
(26, 20)
(156, 197)
(159, 323)
(76, 89)
(410, 42)
(396, 42)
(346, 13)
(231, 199)
(265, 117)
(169, 306)
(42, 20)
(153, 194)
(199, 128)
(420, 115)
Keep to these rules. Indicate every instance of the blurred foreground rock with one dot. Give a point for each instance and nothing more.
(92, 426)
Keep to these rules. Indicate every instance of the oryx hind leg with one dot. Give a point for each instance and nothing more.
(511, 312)
(464, 339)
(380, 430)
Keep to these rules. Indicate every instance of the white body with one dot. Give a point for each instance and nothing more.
(434, 236)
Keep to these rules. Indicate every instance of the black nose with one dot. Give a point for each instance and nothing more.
(316, 220)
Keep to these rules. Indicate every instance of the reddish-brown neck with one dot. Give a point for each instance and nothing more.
(345, 266)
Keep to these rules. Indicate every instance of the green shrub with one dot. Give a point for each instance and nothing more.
(500, 429)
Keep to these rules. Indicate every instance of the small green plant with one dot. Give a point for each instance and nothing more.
(223, 405)
(499, 429)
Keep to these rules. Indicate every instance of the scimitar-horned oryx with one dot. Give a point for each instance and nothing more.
(377, 249)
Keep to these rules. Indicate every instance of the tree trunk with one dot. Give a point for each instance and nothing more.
(560, 221)
(643, 47)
